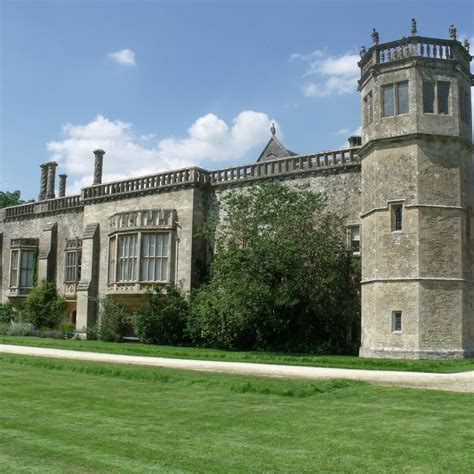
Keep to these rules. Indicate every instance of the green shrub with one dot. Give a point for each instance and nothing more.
(19, 329)
(4, 327)
(7, 313)
(43, 308)
(162, 319)
(114, 320)
(92, 332)
(67, 330)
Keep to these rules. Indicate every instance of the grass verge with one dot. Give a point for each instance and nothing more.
(349, 362)
(71, 416)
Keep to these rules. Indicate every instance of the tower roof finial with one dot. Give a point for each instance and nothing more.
(413, 27)
(375, 36)
(273, 129)
(452, 32)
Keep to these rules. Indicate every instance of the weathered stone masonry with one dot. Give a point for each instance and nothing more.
(405, 187)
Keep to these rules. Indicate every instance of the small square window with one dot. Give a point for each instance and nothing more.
(397, 321)
(354, 239)
(397, 217)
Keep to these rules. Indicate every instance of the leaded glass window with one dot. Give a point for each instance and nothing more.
(428, 97)
(154, 257)
(127, 256)
(402, 98)
(443, 97)
(387, 93)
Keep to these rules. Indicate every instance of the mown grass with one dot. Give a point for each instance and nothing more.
(71, 416)
(349, 362)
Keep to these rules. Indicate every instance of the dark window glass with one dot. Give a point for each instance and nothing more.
(387, 92)
(402, 97)
(428, 97)
(397, 217)
(397, 321)
(443, 98)
(368, 109)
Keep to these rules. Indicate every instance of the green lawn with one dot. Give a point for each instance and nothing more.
(235, 356)
(71, 416)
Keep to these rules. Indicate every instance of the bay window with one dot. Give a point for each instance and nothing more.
(139, 257)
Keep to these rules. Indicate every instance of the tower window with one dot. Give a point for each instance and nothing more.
(443, 98)
(464, 105)
(387, 92)
(428, 97)
(402, 97)
(395, 99)
(436, 97)
(397, 217)
(397, 320)
(368, 109)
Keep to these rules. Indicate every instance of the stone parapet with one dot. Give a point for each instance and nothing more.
(43, 207)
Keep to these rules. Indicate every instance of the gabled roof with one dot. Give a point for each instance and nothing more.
(274, 150)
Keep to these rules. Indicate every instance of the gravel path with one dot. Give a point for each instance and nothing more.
(459, 382)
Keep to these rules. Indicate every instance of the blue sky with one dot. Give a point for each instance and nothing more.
(161, 84)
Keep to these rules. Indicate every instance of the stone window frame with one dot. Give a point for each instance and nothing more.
(396, 222)
(395, 98)
(397, 321)
(436, 97)
(72, 252)
(464, 105)
(351, 240)
(113, 263)
(19, 247)
(368, 108)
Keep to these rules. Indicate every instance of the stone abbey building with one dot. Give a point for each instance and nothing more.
(406, 187)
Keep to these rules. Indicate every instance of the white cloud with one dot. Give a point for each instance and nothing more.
(208, 141)
(123, 56)
(330, 75)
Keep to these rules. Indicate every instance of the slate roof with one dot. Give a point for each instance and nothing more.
(274, 150)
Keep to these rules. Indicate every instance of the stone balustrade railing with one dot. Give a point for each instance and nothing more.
(190, 176)
(41, 207)
(414, 46)
(294, 164)
(146, 183)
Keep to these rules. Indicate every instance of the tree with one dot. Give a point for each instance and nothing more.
(8, 198)
(281, 278)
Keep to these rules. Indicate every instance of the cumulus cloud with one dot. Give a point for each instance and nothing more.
(123, 56)
(327, 75)
(208, 142)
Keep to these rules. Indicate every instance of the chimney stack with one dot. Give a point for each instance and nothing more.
(51, 179)
(99, 158)
(62, 185)
(43, 182)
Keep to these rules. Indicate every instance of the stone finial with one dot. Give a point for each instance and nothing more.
(452, 32)
(99, 158)
(375, 37)
(62, 185)
(43, 182)
(355, 140)
(273, 129)
(466, 45)
(51, 179)
(413, 27)
(362, 51)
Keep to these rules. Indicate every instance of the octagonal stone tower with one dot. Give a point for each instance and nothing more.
(417, 199)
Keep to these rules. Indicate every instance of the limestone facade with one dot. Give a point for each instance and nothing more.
(405, 189)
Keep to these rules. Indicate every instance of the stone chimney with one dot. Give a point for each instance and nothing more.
(43, 182)
(355, 140)
(99, 158)
(51, 179)
(62, 185)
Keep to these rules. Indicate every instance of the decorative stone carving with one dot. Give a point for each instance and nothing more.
(362, 51)
(375, 37)
(452, 32)
(149, 218)
(466, 45)
(413, 27)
